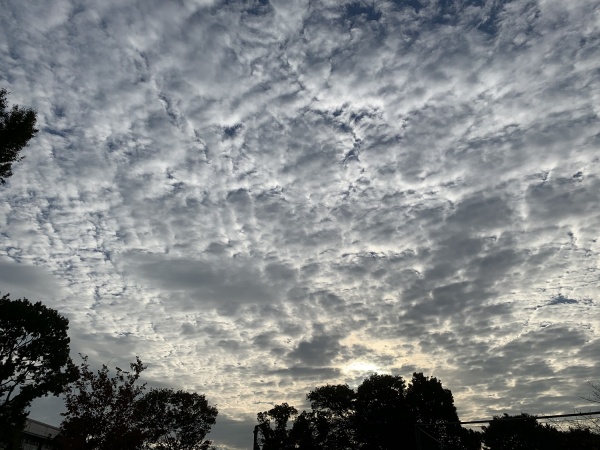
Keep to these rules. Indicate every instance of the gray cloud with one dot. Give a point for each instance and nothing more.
(321, 350)
(22, 280)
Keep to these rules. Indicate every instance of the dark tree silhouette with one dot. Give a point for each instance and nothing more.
(524, 432)
(176, 420)
(273, 427)
(432, 409)
(101, 410)
(382, 414)
(330, 423)
(34, 360)
(333, 416)
(306, 435)
(17, 127)
(383, 420)
(581, 439)
(521, 432)
(115, 412)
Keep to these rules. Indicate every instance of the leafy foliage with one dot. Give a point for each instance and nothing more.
(105, 412)
(17, 127)
(524, 432)
(101, 410)
(433, 405)
(176, 420)
(380, 409)
(581, 439)
(333, 416)
(34, 359)
(277, 437)
(383, 413)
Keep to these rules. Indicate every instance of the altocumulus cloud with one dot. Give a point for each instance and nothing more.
(259, 197)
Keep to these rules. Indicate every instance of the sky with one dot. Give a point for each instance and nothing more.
(261, 197)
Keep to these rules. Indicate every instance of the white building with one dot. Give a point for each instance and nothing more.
(37, 435)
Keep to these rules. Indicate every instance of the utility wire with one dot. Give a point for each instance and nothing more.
(551, 416)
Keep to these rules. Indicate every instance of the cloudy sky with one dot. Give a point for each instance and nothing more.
(259, 197)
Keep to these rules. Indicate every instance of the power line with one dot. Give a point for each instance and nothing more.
(551, 416)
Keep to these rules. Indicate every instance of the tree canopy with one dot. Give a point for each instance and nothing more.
(272, 426)
(34, 359)
(175, 420)
(101, 412)
(524, 432)
(17, 127)
(382, 413)
(386, 413)
(107, 412)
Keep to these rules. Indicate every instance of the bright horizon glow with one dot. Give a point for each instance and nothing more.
(362, 366)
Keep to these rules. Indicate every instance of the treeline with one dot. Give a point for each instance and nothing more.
(525, 432)
(103, 411)
(107, 411)
(382, 413)
(385, 413)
